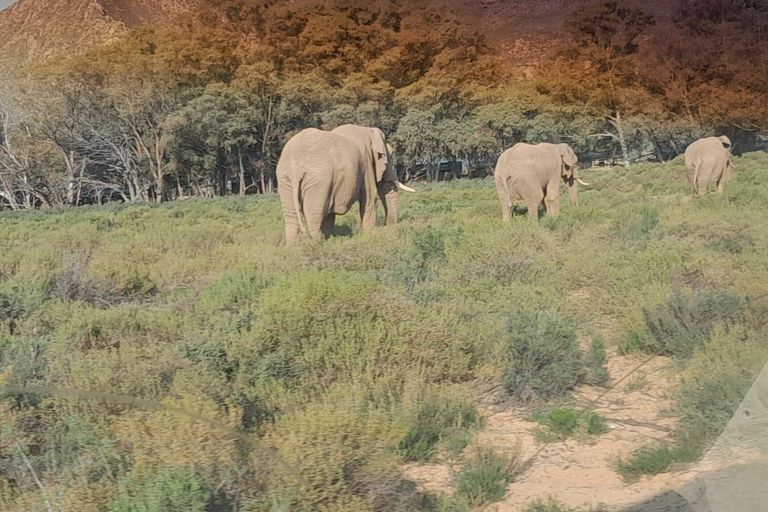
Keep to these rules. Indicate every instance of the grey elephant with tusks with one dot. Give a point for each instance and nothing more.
(708, 161)
(322, 174)
(532, 173)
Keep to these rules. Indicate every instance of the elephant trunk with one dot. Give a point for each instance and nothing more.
(573, 190)
(390, 197)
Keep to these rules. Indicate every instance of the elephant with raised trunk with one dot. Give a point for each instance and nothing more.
(708, 161)
(531, 173)
(321, 174)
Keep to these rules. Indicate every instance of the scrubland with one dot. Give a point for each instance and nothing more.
(343, 360)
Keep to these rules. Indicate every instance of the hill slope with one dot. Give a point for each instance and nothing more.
(41, 29)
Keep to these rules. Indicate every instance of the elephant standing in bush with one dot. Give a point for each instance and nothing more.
(532, 173)
(708, 161)
(321, 174)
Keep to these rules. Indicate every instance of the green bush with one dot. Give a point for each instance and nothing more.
(545, 360)
(686, 321)
(421, 260)
(437, 419)
(654, 460)
(440, 503)
(562, 423)
(595, 360)
(552, 505)
(547, 506)
(715, 381)
(486, 480)
(634, 341)
(234, 290)
(15, 304)
(638, 224)
(170, 490)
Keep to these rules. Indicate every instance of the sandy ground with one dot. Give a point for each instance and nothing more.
(575, 473)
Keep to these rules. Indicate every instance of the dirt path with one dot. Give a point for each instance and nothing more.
(576, 473)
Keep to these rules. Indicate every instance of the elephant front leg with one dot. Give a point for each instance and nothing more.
(552, 206)
(328, 225)
(368, 213)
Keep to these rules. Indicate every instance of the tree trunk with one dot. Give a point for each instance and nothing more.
(70, 160)
(241, 191)
(657, 150)
(622, 139)
(159, 177)
(8, 194)
(80, 184)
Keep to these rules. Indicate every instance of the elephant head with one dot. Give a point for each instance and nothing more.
(726, 142)
(386, 176)
(570, 171)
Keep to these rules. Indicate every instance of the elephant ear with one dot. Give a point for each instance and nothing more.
(569, 159)
(385, 170)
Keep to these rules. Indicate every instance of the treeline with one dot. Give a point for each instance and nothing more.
(204, 109)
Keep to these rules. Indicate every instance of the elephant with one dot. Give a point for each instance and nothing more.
(708, 161)
(321, 174)
(531, 173)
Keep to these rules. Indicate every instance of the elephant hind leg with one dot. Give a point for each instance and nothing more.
(292, 226)
(327, 227)
(505, 200)
(315, 212)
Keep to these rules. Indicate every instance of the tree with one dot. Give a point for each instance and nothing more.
(598, 67)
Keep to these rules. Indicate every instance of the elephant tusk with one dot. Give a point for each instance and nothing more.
(581, 182)
(403, 187)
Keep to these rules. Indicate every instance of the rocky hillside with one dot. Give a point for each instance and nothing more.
(40, 29)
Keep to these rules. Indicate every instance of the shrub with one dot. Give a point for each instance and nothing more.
(547, 506)
(544, 357)
(440, 503)
(595, 360)
(438, 418)
(233, 290)
(686, 321)
(486, 480)
(552, 505)
(654, 460)
(638, 224)
(169, 489)
(343, 452)
(15, 304)
(715, 382)
(562, 423)
(635, 341)
(420, 262)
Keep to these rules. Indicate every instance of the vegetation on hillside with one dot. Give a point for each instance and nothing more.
(206, 109)
(343, 359)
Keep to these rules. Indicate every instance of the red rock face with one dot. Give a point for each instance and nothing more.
(42, 29)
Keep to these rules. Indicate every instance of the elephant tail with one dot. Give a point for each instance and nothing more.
(696, 167)
(297, 205)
